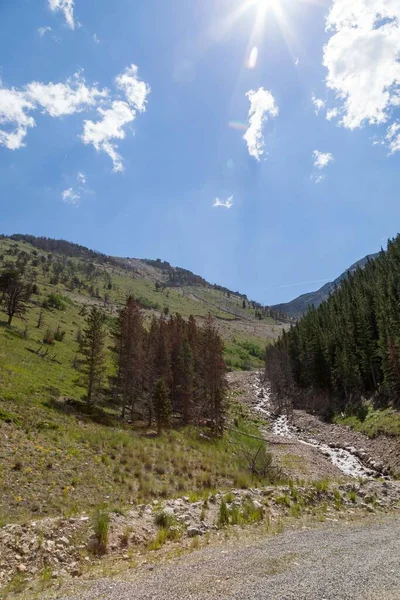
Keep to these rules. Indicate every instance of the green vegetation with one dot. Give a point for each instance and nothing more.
(101, 524)
(348, 349)
(372, 422)
(61, 455)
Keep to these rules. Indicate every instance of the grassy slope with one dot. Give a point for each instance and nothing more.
(373, 422)
(54, 459)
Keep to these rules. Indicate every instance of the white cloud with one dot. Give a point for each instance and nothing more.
(14, 108)
(55, 99)
(74, 96)
(363, 59)
(136, 91)
(110, 127)
(67, 8)
(262, 104)
(318, 104)
(81, 177)
(228, 203)
(59, 99)
(317, 179)
(332, 113)
(43, 30)
(70, 196)
(96, 39)
(322, 159)
(393, 137)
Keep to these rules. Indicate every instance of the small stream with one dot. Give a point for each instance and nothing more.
(343, 459)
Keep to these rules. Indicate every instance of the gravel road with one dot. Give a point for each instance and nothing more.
(337, 561)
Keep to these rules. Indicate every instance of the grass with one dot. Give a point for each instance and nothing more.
(57, 457)
(373, 422)
(101, 525)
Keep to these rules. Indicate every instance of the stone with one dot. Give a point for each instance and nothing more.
(193, 531)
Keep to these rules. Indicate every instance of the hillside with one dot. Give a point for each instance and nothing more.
(297, 307)
(86, 277)
(47, 431)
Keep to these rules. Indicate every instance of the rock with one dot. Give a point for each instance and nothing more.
(193, 531)
(21, 568)
(64, 541)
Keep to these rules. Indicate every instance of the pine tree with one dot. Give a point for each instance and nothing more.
(184, 382)
(162, 406)
(15, 295)
(92, 347)
(213, 376)
(129, 348)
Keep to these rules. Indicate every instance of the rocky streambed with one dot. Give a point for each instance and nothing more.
(353, 461)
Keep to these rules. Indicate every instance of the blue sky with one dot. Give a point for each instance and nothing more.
(255, 142)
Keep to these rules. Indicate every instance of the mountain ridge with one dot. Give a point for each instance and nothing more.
(298, 306)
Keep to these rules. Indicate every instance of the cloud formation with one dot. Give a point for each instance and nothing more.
(135, 90)
(71, 97)
(70, 196)
(114, 119)
(109, 127)
(54, 99)
(228, 203)
(362, 57)
(262, 105)
(43, 30)
(67, 8)
(318, 104)
(322, 159)
(393, 137)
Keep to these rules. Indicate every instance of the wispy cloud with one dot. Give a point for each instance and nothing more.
(318, 104)
(322, 159)
(262, 105)
(109, 127)
(70, 196)
(113, 120)
(228, 203)
(81, 177)
(393, 137)
(43, 30)
(317, 178)
(67, 8)
(95, 39)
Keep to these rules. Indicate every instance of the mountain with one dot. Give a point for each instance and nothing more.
(297, 307)
(84, 277)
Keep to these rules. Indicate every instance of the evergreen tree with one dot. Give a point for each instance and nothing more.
(92, 347)
(162, 406)
(15, 295)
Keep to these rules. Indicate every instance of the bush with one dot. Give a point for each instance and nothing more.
(48, 337)
(57, 301)
(59, 334)
(223, 515)
(101, 525)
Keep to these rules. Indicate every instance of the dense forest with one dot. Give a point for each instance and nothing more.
(349, 347)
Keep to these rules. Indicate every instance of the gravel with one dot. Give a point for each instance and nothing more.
(337, 561)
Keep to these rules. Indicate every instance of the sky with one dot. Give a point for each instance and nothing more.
(254, 142)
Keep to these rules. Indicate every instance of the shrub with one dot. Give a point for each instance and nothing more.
(48, 337)
(59, 334)
(223, 515)
(57, 301)
(101, 525)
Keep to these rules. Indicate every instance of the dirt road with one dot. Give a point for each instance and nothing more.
(347, 561)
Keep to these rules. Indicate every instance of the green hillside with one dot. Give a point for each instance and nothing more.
(58, 457)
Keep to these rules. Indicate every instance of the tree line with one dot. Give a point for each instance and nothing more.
(349, 347)
(172, 371)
